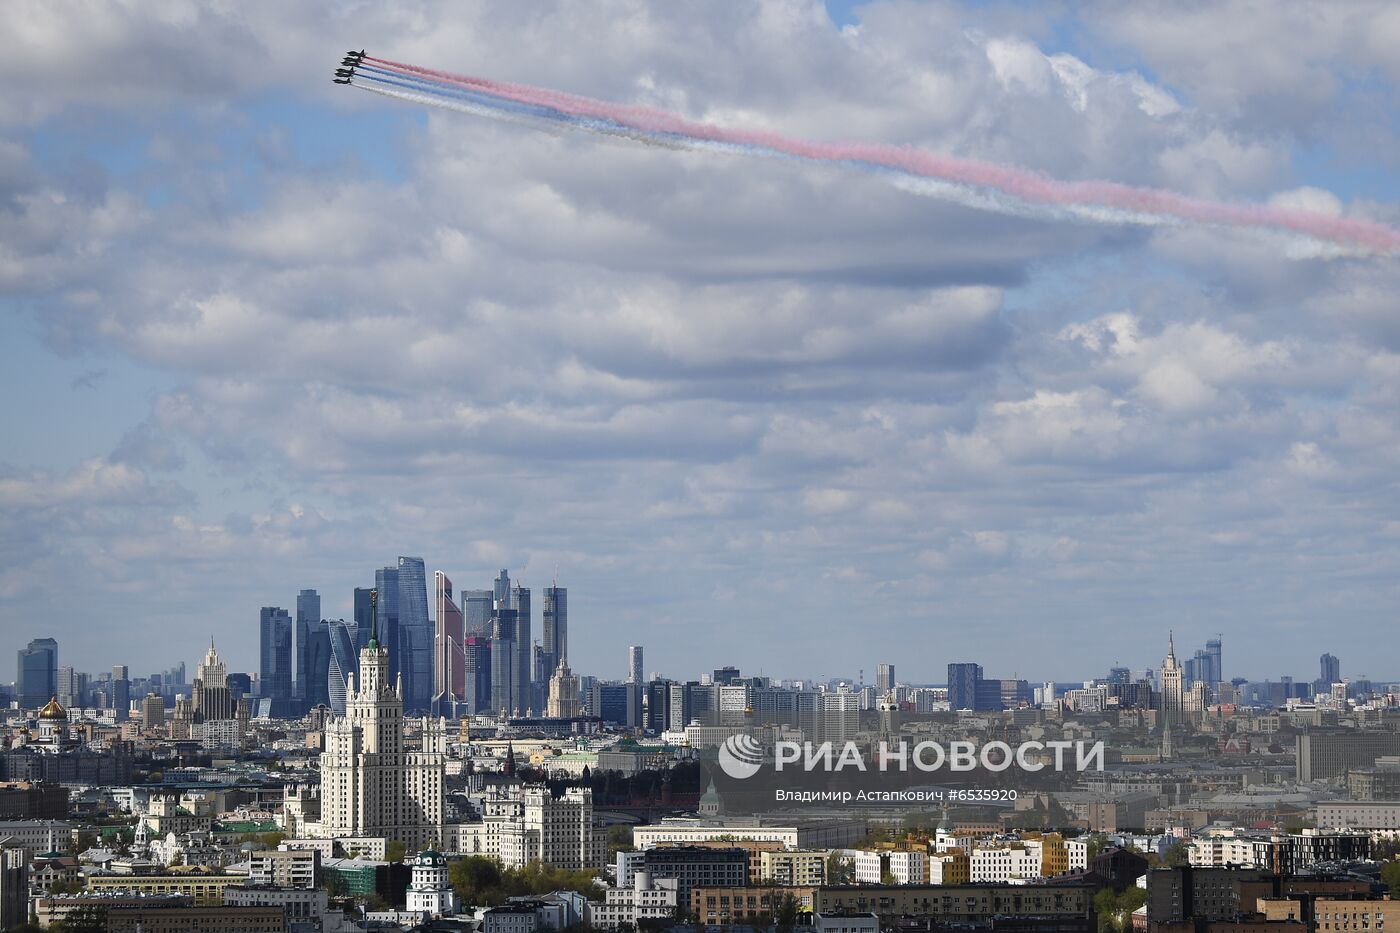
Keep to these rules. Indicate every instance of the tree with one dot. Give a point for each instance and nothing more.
(394, 850)
(786, 911)
(1177, 854)
(1390, 877)
(839, 870)
(1097, 843)
(619, 839)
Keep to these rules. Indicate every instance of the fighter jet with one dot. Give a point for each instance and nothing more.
(345, 74)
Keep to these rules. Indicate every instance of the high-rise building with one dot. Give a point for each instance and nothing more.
(449, 644)
(275, 659)
(210, 698)
(153, 711)
(70, 687)
(840, 716)
(318, 665)
(477, 607)
(523, 689)
(1172, 694)
(563, 692)
(37, 679)
(555, 637)
(345, 649)
(121, 693)
(634, 665)
(503, 663)
(500, 590)
(370, 784)
(1331, 667)
(884, 678)
(416, 635)
(1216, 673)
(386, 584)
(308, 615)
(476, 658)
(962, 684)
(14, 884)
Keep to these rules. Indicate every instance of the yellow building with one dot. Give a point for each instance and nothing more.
(725, 906)
(951, 866)
(1054, 855)
(793, 868)
(1331, 915)
(206, 889)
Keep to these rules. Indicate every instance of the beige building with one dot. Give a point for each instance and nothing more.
(206, 889)
(794, 869)
(371, 785)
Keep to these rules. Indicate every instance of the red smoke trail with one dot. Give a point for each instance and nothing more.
(1023, 184)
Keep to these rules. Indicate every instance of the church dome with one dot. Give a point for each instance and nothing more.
(52, 710)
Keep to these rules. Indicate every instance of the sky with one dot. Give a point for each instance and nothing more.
(268, 333)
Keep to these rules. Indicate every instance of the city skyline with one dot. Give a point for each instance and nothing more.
(268, 331)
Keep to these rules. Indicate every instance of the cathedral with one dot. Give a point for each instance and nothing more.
(371, 786)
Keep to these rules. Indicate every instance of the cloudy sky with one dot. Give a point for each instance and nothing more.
(264, 333)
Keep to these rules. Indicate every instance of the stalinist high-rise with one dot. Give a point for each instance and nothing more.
(371, 785)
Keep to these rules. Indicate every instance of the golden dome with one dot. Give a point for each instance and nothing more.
(53, 711)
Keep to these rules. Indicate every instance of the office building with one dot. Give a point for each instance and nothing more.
(344, 660)
(1331, 669)
(307, 615)
(840, 716)
(386, 585)
(697, 866)
(275, 659)
(963, 677)
(884, 678)
(14, 885)
(36, 681)
(476, 669)
(121, 693)
(449, 674)
(634, 664)
(503, 662)
(523, 688)
(1331, 754)
(153, 711)
(416, 635)
(361, 614)
(555, 635)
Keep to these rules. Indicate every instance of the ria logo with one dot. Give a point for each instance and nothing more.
(740, 756)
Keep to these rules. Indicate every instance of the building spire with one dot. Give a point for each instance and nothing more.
(374, 619)
(1171, 646)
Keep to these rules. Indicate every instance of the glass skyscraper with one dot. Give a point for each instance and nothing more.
(36, 680)
(523, 689)
(344, 662)
(275, 659)
(308, 616)
(415, 635)
(386, 582)
(555, 636)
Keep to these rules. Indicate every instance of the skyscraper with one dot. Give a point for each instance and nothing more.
(370, 784)
(477, 607)
(523, 689)
(36, 681)
(555, 636)
(121, 693)
(1216, 674)
(318, 665)
(1172, 695)
(308, 615)
(449, 672)
(884, 678)
(1331, 667)
(416, 635)
(386, 584)
(210, 697)
(275, 659)
(500, 591)
(503, 661)
(344, 665)
(477, 673)
(963, 677)
(634, 665)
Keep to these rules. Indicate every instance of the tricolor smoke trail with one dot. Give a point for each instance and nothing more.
(982, 184)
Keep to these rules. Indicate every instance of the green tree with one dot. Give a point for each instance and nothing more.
(1390, 877)
(839, 870)
(395, 850)
(1097, 843)
(1177, 854)
(786, 912)
(619, 840)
